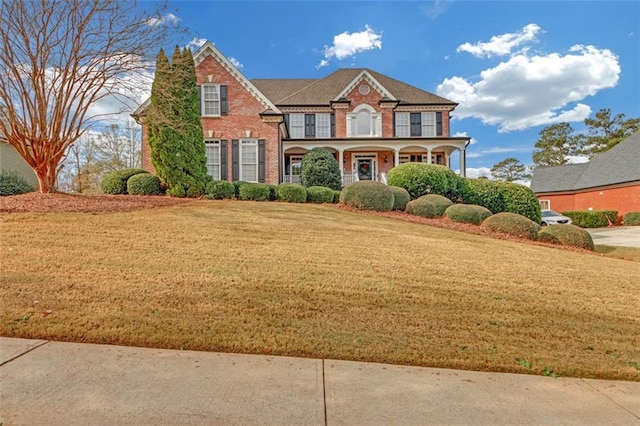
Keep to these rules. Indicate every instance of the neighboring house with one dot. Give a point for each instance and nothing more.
(610, 181)
(11, 161)
(258, 130)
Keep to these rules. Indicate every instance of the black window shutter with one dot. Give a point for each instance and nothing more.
(261, 160)
(223, 160)
(416, 124)
(333, 125)
(309, 125)
(224, 109)
(235, 160)
(200, 99)
(438, 123)
(394, 125)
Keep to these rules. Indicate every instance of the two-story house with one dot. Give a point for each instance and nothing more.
(258, 130)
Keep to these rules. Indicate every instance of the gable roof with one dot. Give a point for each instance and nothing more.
(620, 164)
(324, 90)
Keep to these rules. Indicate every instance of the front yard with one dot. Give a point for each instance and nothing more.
(317, 281)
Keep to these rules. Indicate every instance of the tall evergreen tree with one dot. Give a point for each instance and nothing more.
(605, 131)
(510, 170)
(555, 146)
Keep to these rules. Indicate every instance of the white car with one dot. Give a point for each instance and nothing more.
(550, 217)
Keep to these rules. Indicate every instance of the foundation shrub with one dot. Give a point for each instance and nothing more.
(320, 168)
(592, 218)
(319, 194)
(336, 196)
(115, 183)
(512, 224)
(420, 179)
(521, 200)
(400, 197)
(254, 192)
(291, 193)
(236, 185)
(368, 195)
(631, 219)
(11, 183)
(220, 190)
(177, 191)
(485, 193)
(467, 213)
(441, 202)
(568, 235)
(502, 197)
(421, 207)
(143, 184)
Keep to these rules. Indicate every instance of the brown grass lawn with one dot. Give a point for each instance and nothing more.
(318, 281)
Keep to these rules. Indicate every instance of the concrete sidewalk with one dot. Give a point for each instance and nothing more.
(56, 383)
(625, 236)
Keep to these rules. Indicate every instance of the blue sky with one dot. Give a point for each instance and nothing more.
(514, 67)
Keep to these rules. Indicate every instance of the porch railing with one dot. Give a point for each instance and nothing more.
(291, 179)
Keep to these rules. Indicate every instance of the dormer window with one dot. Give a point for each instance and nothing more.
(364, 121)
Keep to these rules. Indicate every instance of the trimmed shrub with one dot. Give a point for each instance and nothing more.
(631, 219)
(143, 184)
(368, 195)
(521, 200)
(237, 184)
(177, 191)
(220, 190)
(467, 213)
(291, 192)
(115, 183)
(254, 192)
(319, 194)
(400, 197)
(502, 197)
(512, 224)
(194, 189)
(568, 235)
(272, 192)
(592, 218)
(485, 193)
(11, 183)
(336, 196)
(320, 168)
(421, 207)
(441, 202)
(420, 179)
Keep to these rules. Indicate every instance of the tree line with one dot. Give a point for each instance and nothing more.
(559, 142)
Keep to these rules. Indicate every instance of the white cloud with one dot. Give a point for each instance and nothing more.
(196, 43)
(473, 141)
(347, 44)
(236, 63)
(168, 19)
(474, 173)
(527, 91)
(501, 45)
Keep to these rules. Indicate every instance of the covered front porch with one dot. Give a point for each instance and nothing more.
(372, 159)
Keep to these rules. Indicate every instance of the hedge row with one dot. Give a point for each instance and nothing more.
(11, 183)
(631, 219)
(592, 218)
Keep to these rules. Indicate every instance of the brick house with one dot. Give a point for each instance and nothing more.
(258, 130)
(610, 181)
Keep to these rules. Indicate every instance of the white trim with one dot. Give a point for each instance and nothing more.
(373, 156)
(547, 201)
(241, 164)
(203, 99)
(212, 144)
(208, 49)
(368, 78)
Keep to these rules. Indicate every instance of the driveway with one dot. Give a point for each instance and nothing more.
(626, 236)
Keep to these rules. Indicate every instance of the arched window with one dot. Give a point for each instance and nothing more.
(364, 121)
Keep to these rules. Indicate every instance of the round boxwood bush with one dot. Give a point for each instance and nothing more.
(512, 224)
(177, 191)
(11, 183)
(441, 202)
(521, 200)
(254, 192)
(320, 168)
(631, 219)
(319, 194)
(143, 184)
(237, 184)
(420, 179)
(421, 207)
(368, 195)
(400, 197)
(220, 190)
(467, 213)
(115, 183)
(568, 235)
(291, 192)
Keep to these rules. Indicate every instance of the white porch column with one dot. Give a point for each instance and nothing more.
(447, 160)
(428, 155)
(396, 157)
(463, 162)
(341, 162)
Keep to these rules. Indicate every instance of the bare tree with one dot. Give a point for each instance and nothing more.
(58, 58)
(119, 147)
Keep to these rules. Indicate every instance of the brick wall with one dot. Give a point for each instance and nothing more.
(623, 199)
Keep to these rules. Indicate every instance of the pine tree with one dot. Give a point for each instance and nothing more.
(510, 170)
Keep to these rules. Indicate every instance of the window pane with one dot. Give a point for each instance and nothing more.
(428, 124)
(323, 125)
(212, 152)
(363, 123)
(249, 160)
(211, 99)
(402, 124)
(296, 124)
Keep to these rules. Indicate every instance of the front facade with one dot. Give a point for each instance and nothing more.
(610, 181)
(259, 130)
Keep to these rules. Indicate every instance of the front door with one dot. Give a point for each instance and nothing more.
(365, 169)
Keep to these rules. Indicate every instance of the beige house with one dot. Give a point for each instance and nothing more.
(11, 161)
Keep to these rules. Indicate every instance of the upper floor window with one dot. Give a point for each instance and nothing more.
(424, 124)
(214, 100)
(310, 125)
(364, 121)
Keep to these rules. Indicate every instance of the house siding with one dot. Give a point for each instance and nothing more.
(624, 199)
(11, 161)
